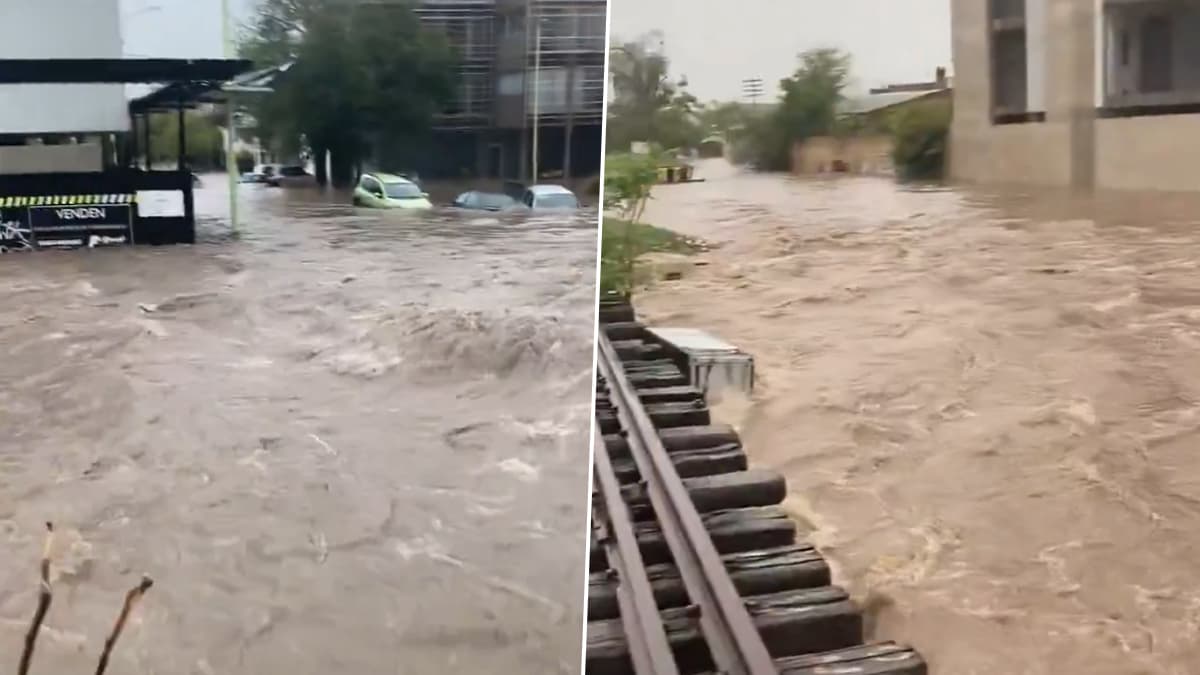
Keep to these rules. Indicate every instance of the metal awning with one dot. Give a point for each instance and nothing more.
(190, 94)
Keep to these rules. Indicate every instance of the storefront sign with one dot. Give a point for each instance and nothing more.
(65, 221)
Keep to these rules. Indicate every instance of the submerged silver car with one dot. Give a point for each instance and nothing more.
(549, 198)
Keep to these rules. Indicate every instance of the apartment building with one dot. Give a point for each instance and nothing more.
(531, 81)
(1084, 93)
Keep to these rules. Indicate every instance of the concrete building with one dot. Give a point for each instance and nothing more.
(526, 64)
(59, 127)
(68, 148)
(1083, 93)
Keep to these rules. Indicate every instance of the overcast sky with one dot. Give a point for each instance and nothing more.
(717, 44)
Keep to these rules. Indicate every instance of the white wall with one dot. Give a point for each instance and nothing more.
(1036, 42)
(70, 158)
(34, 29)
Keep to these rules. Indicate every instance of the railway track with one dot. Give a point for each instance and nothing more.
(695, 568)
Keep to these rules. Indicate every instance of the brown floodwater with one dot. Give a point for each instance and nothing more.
(347, 441)
(986, 403)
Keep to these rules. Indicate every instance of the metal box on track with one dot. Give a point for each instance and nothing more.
(711, 364)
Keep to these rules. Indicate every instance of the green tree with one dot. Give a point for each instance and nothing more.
(628, 180)
(920, 135)
(366, 78)
(647, 105)
(205, 144)
(807, 107)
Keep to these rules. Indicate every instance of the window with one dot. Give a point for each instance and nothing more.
(592, 88)
(558, 201)
(404, 190)
(1157, 55)
(372, 186)
(550, 87)
(511, 84)
(1009, 61)
(1151, 63)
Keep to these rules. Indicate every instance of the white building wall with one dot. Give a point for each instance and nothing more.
(1035, 55)
(37, 29)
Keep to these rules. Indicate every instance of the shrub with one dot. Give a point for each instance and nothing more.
(245, 161)
(919, 135)
(628, 179)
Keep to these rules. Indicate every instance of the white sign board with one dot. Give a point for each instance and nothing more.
(160, 204)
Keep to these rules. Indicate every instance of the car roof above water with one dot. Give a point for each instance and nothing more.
(389, 178)
(549, 190)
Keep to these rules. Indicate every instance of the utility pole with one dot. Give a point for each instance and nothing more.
(537, 90)
(752, 88)
(230, 160)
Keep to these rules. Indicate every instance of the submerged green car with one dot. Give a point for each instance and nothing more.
(386, 191)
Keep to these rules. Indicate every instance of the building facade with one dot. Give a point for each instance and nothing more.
(525, 65)
(1083, 93)
(59, 127)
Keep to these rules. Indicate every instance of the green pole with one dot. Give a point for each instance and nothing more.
(230, 160)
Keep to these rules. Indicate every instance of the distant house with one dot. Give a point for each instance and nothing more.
(865, 146)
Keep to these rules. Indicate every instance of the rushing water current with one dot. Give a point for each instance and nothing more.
(986, 403)
(346, 442)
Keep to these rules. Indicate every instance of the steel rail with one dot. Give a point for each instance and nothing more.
(734, 642)
(644, 633)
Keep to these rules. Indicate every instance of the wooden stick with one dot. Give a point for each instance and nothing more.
(45, 595)
(131, 599)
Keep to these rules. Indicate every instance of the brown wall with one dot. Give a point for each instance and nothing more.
(864, 155)
(1071, 147)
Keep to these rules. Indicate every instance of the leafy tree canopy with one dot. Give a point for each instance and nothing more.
(807, 106)
(366, 76)
(646, 104)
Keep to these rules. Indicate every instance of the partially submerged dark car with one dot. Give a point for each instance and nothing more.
(291, 176)
(485, 201)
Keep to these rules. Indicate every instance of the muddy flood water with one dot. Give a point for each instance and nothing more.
(986, 404)
(347, 442)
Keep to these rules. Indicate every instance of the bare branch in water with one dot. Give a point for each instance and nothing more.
(45, 595)
(131, 599)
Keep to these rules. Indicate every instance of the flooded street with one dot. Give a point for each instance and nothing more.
(986, 405)
(347, 441)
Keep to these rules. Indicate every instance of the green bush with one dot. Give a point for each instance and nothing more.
(920, 136)
(628, 180)
(245, 161)
(623, 242)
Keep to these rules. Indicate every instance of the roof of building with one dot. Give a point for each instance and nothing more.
(862, 105)
(191, 93)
